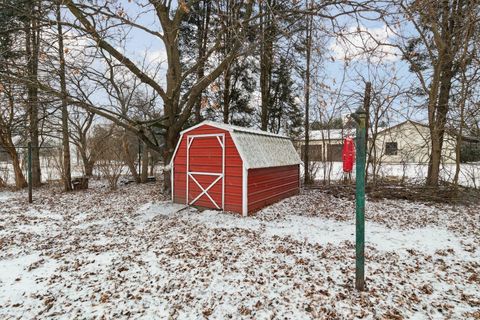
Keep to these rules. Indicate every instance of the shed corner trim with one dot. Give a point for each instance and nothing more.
(244, 191)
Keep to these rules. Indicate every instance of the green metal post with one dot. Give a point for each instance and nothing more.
(30, 198)
(360, 116)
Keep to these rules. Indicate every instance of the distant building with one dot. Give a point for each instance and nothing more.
(325, 145)
(409, 142)
(406, 142)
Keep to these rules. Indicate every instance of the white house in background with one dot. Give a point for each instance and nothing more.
(406, 142)
(409, 142)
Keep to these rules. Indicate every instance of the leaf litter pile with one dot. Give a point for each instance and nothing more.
(131, 254)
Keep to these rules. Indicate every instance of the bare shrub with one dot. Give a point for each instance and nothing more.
(111, 170)
(55, 162)
(313, 170)
(110, 161)
(4, 175)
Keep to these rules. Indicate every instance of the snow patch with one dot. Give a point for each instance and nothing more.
(218, 219)
(322, 231)
(151, 210)
(6, 195)
(45, 214)
(24, 275)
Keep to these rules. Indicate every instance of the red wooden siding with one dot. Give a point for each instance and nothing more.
(206, 156)
(269, 185)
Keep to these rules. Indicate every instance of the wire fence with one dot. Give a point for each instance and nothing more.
(51, 165)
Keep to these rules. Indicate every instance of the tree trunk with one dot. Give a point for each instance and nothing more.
(20, 181)
(266, 53)
(202, 37)
(465, 87)
(452, 28)
(7, 144)
(226, 95)
(144, 173)
(366, 107)
(307, 177)
(152, 166)
(171, 140)
(433, 176)
(129, 158)
(458, 145)
(32, 50)
(434, 163)
(87, 164)
(89, 168)
(67, 172)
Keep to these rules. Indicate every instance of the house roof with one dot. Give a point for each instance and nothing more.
(257, 148)
(340, 134)
(415, 123)
(449, 131)
(331, 134)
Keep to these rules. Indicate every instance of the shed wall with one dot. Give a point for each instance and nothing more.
(269, 185)
(205, 156)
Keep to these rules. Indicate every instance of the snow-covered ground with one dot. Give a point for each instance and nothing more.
(469, 175)
(130, 254)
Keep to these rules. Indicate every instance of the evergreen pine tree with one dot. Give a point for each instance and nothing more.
(285, 114)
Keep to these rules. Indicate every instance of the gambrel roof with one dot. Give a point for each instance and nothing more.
(257, 148)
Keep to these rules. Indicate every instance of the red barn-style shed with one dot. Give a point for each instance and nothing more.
(232, 168)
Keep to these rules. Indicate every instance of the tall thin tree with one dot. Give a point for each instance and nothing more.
(308, 51)
(67, 172)
(32, 47)
(266, 57)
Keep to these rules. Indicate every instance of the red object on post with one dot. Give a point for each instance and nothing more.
(348, 154)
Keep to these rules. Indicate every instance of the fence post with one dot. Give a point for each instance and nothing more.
(360, 117)
(30, 198)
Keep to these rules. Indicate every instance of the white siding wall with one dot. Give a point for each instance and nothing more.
(413, 142)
